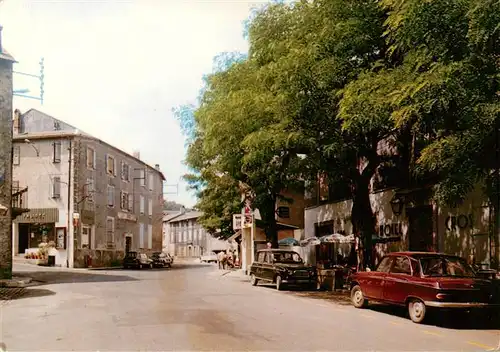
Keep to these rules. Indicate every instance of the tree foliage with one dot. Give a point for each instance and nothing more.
(332, 80)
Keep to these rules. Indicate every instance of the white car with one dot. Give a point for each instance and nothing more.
(209, 258)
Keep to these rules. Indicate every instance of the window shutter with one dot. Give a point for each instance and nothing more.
(141, 235)
(94, 157)
(114, 166)
(106, 163)
(130, 202)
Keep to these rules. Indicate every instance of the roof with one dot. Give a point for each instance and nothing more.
(73, 134)
(4, 55)
(187, 216)
(168, 216)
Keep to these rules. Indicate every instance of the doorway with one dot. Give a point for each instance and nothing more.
(128, 243)
(420, 228)
(24, 238)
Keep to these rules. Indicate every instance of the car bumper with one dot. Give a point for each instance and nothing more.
(300, 281)
(460, 305)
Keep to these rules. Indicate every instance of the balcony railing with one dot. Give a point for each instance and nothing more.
(19, 197)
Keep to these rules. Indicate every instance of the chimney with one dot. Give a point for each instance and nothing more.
(182, 210)
(17, 122)
(1, 49)
(157, 167)
(136, 154)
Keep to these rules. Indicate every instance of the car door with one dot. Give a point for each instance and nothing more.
(398, 283)
(268, 267)
(373, 283)
(257, 265)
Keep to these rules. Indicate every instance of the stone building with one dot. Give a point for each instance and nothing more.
(6, 61)
(183, 236)
(93, 200)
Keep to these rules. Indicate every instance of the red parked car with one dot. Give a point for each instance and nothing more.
(421, 280)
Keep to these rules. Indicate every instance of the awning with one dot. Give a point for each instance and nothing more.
(235, 236)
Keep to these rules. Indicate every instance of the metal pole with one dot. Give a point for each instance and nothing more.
(69, 205)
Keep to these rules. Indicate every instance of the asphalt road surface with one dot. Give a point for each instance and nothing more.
(191, 307)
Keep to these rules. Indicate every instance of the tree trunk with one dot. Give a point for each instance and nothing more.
(362, 217)
(268, 213)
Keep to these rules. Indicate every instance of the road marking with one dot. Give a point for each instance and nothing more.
(431, 333)
(481, 345)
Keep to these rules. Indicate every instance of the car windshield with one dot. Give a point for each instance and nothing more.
(446, 266)
(286, 257)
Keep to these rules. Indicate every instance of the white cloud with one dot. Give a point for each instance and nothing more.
(115, 69)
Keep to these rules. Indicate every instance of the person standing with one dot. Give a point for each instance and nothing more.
(359, 251)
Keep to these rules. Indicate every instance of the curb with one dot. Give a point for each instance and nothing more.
(15, 282)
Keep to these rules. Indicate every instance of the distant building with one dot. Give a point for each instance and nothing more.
(95, 201)
(183, 236)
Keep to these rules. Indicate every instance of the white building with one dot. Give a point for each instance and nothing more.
(183, 236)
(94, 201)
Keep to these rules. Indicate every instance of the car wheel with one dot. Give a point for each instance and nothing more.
(358, 298)
(254, 280)
(279, 283)
(416, 310)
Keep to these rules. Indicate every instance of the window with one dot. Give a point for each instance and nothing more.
(261, 257)
(142, 177)
(124, 196)
(401, 266)
(125, 171)
(110, 230)
(56, 152)
(141, 235)
(110, 165)
(16, 155)
(384, 265)
(130, 202)
(90, 189)
(142, 205)
(150, 236)
(91, 158)
(150, 207)
(111, 196)
(56, 187)
(151, 181)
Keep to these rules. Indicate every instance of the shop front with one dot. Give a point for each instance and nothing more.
(37, 226)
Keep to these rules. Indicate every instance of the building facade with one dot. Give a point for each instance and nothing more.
(93, 200)
(183, 236)
(6, 91)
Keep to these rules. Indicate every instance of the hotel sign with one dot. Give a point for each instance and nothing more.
(127, 216)
(41, 215)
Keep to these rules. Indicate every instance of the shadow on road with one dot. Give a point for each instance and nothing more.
(61, 277)
(447, 320)
(9, 294)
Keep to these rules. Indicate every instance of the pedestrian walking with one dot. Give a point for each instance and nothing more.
(220, 260)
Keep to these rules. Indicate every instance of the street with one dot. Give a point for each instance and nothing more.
(192, 307)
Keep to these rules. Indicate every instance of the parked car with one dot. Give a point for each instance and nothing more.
(161, 260)
(209, 258)
(137, 260)
(282, 267)
(421, 280)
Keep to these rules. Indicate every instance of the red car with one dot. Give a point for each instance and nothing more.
(420, 280)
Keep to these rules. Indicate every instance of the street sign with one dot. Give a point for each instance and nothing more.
(237, 218)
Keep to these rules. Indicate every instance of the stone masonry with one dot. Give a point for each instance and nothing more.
(5, 164)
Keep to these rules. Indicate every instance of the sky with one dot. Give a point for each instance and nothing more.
(115, 69)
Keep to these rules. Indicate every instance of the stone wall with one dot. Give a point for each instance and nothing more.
(6, 168)
(99, 258)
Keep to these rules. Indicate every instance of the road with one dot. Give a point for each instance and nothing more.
(191, 307)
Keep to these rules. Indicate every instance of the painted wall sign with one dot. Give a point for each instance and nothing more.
(461, 221)
(390, 230)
